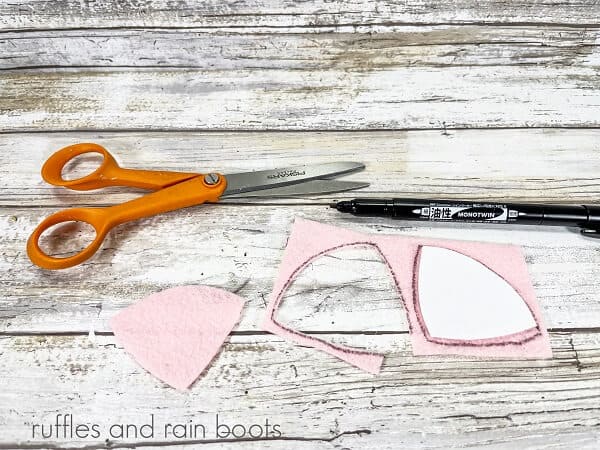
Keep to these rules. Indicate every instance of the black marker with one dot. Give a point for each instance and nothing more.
(586, 217)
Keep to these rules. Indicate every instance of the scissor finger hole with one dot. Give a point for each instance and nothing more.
(82, 165)
(66, 238)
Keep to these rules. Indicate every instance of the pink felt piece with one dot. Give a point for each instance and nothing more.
(310, 240)
(175, 334)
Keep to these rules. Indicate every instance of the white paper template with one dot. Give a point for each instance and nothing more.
(460, 298)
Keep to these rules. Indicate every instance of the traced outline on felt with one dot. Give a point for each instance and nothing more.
(301, 268)
(402, 252)
(519, 337)
(525, 335)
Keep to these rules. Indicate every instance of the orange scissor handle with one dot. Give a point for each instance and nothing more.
(194, 191)
(92, 216)
(108, 174)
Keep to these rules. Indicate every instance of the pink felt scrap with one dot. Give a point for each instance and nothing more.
(175, 334)
(310, 240)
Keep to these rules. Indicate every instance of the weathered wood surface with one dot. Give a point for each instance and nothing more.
(319, 401)
(390, 98)
(374, 48)
(154, 81)
(32, 14)
(398, 77)
(550, 165)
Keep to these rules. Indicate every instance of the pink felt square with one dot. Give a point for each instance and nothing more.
(310, 240)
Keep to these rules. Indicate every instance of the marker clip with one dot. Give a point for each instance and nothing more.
(591, 232)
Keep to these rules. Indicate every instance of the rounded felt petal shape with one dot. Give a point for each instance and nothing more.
(461, 299)
(174, 334)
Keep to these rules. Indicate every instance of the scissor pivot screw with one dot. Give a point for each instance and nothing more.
(211, 178)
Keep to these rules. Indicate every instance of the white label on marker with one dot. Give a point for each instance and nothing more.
(466, 213)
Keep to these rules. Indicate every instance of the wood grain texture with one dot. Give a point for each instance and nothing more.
(342, 47)
(415, 400)
(32, 14)
(387, 78)
(259, 99)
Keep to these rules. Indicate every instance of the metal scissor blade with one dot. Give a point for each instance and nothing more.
(238, 183)
(313, 187)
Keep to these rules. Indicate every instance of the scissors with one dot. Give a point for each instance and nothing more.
(173, 190)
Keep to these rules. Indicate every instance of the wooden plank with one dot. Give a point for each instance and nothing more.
(377, 47)
(33, 14)
(403, 77)
(519, 165)
(390, 98)
(239, 248)
(312, 396)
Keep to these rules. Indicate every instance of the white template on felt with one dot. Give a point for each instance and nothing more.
(460, 298)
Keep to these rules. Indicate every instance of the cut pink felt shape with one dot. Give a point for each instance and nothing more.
(460, 297)
(176, 333)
